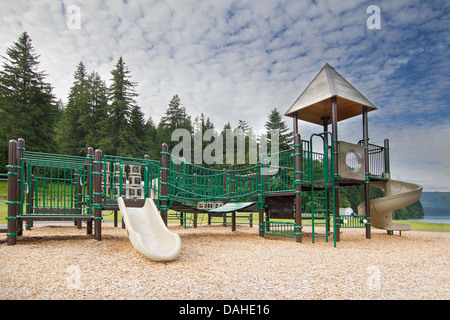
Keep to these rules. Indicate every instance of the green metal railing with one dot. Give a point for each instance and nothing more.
(54, 184)
(189, 183)
(279, 175)
(353, 221)
(377, 156)
(118, 170)
(283, 229)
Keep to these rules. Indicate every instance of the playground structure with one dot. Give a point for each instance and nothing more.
(304, 185)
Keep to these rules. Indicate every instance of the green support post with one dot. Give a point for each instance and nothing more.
(261, 210)
(298, 187)
(97, 195)
(164, 182)
(12, 193)
(89, 193)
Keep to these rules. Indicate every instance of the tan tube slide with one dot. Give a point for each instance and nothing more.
(399, 194)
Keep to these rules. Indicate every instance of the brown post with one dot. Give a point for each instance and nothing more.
(336, 165)
(335, 130)
(115, 219)
(298, 187)
(164, 181)
(233, 221)
(97, 182)
(12, 193)
(366, 169)
(89, 182)
(387, 165)
(295, 125)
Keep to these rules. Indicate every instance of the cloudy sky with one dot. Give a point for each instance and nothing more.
(236, 60)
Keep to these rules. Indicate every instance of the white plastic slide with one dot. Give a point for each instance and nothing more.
(399, 194)
(148, 233)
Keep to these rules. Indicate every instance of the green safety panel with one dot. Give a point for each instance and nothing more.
(233, 206)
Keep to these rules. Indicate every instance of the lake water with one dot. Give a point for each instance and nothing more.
(433, 219)
(436, 206)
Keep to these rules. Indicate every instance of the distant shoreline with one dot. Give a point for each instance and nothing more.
(432, 219)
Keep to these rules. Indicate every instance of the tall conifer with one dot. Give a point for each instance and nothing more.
(27, 106)
(122, 101)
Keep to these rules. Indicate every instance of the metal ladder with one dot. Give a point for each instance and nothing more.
(322, 207)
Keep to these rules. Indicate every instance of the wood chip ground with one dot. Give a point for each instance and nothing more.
(62, 262)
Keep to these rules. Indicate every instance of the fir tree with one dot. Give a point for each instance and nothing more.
(98, 107)
(153, 144)
(82, 122)
(137, 142)
(73, 130)
(121, 96)
(27, 105)
(243, 126)
(276, 121)
(244, 145)
(174, 118)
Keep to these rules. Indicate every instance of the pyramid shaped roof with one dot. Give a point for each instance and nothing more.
(315, 101)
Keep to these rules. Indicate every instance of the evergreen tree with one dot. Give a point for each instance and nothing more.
(204, 129)
(27, 105)
(174, 118)
(276, 121)
(122, 102)
(226, 144)
(73, 130)
(244, 146)
(243, 126)
(137, 141)
(98, 107)
(81, 125)
(153, 145)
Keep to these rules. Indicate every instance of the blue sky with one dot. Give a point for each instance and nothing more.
(236, 60)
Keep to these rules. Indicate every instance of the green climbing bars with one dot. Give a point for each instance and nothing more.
(321, 173)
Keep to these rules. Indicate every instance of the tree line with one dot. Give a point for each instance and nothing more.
(95, 115)
(108, 117)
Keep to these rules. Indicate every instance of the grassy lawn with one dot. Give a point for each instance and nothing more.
(426, 226)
